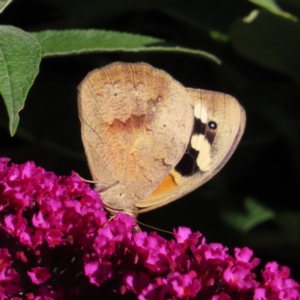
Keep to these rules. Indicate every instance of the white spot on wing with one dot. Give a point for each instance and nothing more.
(200, 112)
(203, 159)
(196, 141)
(197, 111)
(203, 115)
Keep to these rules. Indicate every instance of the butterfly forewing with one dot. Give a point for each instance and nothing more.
(136, 122)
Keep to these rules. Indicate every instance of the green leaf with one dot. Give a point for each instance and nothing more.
(4, 4)
(219, 36)
(268, 40)
(19, 65)
(272, 6)
(255, 214)
(66, 42)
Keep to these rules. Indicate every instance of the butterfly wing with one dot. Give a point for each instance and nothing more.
(219, 122)
(135, 124)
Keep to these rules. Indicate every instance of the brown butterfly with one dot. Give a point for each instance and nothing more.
(148, 139)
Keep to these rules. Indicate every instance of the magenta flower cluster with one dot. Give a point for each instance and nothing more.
(57, 243)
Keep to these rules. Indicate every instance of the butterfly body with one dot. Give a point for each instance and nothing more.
(148, 139)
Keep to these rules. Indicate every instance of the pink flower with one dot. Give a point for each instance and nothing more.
(5, 259)
(154, 292)
(260, 294)
(31, 237)
(137, 283)
(9, 281)
(185, 236)
(38, 221)
(58, 244)
(15, 225)
(98, 272)
(239, 277)
(152, 251)
(185, 285)
(221, 296)
(277, 284)
(215, 252)
(243, 257)
(39, 275)
(54, 237)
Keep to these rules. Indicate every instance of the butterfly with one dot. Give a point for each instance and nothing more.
(148, 139)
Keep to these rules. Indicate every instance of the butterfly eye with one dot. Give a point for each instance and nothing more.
(212, 125)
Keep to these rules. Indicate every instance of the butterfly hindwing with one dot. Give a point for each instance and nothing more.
(219, 122)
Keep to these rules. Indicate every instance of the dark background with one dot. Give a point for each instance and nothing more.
(266, 165)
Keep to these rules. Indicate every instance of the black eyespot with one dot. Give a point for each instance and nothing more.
(115, 94)
(212, 125)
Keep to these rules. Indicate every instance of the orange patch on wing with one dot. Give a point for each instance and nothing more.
(167, 184)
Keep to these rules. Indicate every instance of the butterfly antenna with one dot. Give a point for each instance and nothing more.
(155, 228)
